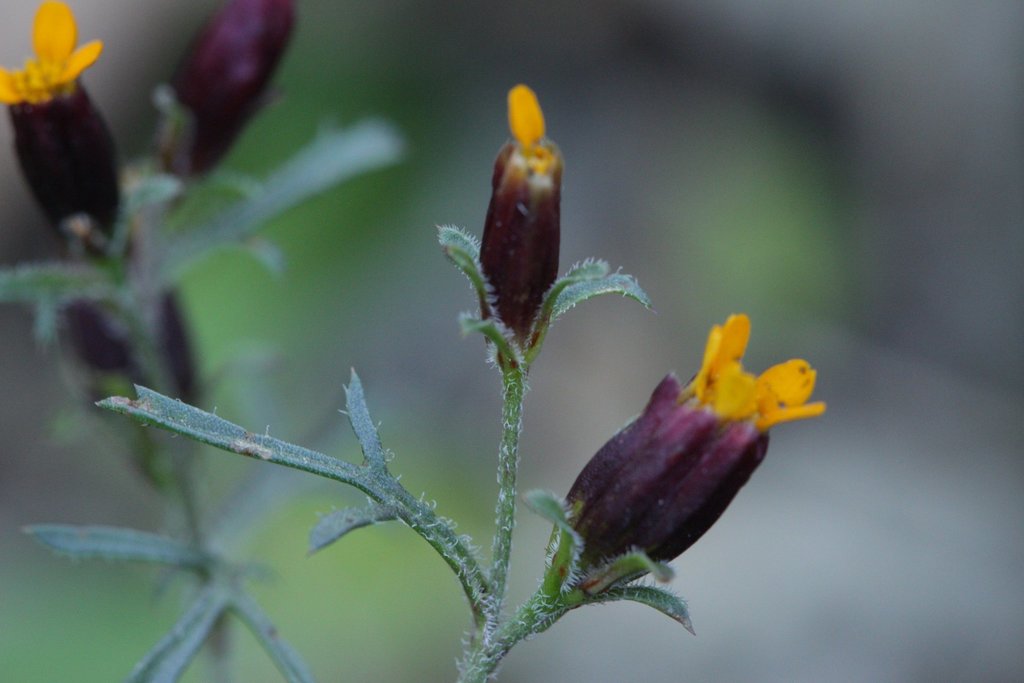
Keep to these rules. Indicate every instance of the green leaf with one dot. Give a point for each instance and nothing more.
(336, 524)
(152, 189)
(50, 282)
(169, 658)
(332, 157)
(550, 507)
(616, 283)
(494, 332)
(626, 567)
(463, 250)
(660, 599)
(362, 424)
(285, 657)
(115, 543)
(173, 415)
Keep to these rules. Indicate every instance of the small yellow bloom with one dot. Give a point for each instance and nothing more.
(779, 394)
(57, 63)
(526, 121)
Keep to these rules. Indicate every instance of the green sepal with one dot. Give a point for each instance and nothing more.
(169, 658)
(334, 525)
(287, 660)
(666, 602)
(363, 426)
(116, 543)
(463, 250)
(625, 568)
(494, 332)
(565, 546)
(332, 157)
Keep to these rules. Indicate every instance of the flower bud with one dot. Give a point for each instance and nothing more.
(104, 348)
(519, 251)
(662, 481)
(222, 79)
(64, 147)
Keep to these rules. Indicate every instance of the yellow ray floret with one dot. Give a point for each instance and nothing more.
(526, 121)
(779, 394)
(57, 63)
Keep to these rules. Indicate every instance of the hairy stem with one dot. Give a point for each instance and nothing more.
(513, 390)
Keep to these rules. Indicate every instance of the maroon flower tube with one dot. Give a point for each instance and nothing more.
(519, 251)
(222, 80)
(67, 156)
(662, 481)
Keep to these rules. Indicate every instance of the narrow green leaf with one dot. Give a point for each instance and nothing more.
(180, 418)
(626, 567)
(116, 543)
(660, 599)
(50, 282)
(463, 250)
(494, 332)
(332, 157)
(285, 657)
(336, 524)
(550, 507)
(168, 659)
(362, 423)
(616, 283)
(153, 189)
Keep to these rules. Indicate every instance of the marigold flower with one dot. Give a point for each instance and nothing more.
(63, 144)
(221, 81)
(57, 64)
(519, 251)
(662, 481)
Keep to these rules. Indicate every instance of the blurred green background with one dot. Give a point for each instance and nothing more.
(849, 174)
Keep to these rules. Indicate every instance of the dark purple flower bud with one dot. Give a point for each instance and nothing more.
(67, 156)
(104, 347)
(519, 252)
(222, 80)
(662, 481)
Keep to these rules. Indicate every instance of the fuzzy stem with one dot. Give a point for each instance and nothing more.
(513, 380)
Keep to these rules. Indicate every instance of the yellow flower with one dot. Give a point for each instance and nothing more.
(526, 121)
(57, 63)
(779, 394)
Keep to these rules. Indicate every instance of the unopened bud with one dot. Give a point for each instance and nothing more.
(222, 80)
(519, 251)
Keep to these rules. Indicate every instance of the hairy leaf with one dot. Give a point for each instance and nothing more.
(336, 524)
(116, 543)
(285, 657)
(660, 599)
(616, 283)
(362, 424)
(49, 282)
(463, 250)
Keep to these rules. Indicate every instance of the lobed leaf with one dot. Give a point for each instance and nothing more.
(116, 543)
(333, 526)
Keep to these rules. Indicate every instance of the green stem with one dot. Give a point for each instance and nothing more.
(513, 379)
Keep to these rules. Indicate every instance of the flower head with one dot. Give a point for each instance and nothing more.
(663, 480)
(57, 64)
(519, 252)
(779, 394)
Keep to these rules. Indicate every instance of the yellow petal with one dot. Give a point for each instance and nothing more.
(54, 33)
(735, 335)
(734, 393)
(9, 93)
(700, 382)
(789, 414)
(525, 119)
(791, 383)
(80, 60)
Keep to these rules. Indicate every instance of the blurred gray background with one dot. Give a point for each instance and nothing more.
(849, 174)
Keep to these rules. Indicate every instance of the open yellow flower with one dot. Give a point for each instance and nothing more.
(57, 64)
(779, 394)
